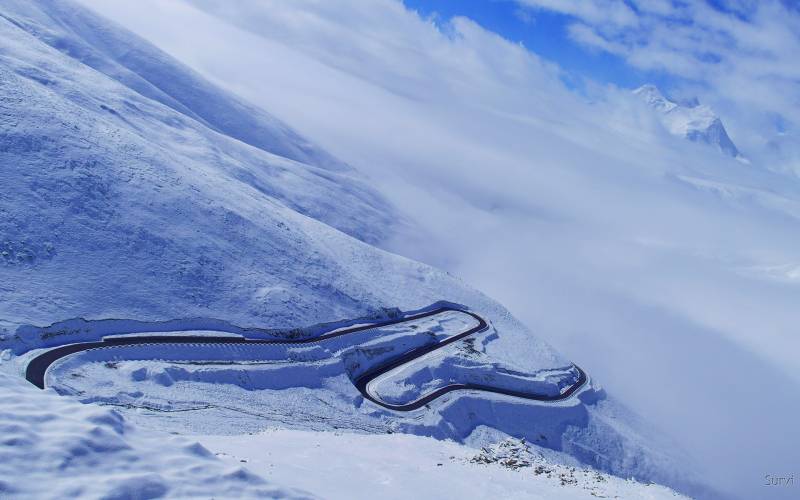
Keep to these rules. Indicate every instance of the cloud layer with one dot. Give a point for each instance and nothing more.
(740, 56)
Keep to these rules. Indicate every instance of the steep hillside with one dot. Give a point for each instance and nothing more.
(118, 205)
(122, 56)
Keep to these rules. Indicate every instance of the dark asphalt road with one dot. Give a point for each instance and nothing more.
(37, 367)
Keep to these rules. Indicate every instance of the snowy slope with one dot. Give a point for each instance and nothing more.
(53, 447)
(118, 206)
(134, 189)
(121, 55)
(398, 466)
(137, 203)
(694, 121)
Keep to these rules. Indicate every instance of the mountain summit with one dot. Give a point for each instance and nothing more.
(692, 120)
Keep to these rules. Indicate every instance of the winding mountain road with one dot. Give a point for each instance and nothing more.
(36, 369)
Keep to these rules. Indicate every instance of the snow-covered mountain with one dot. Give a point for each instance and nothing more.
(692, 120)
(132, 188)
(54, 448)
(143, 68)
(116, 204)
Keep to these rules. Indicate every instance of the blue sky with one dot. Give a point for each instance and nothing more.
(544, 33)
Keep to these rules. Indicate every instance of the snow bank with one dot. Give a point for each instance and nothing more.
(399, 466)
(53, 447)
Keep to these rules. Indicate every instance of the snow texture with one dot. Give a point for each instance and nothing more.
(400, 466)
(53, 447)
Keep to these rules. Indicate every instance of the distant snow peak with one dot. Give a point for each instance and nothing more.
(690, 119)
(655, 98)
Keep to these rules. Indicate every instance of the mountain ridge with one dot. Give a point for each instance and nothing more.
(690, 119)
(140, 66)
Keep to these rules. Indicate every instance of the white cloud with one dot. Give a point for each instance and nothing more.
(742, 60)
(662, 7)
(614, 12)
(587, 36)
(586, 218)
(525, 15)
